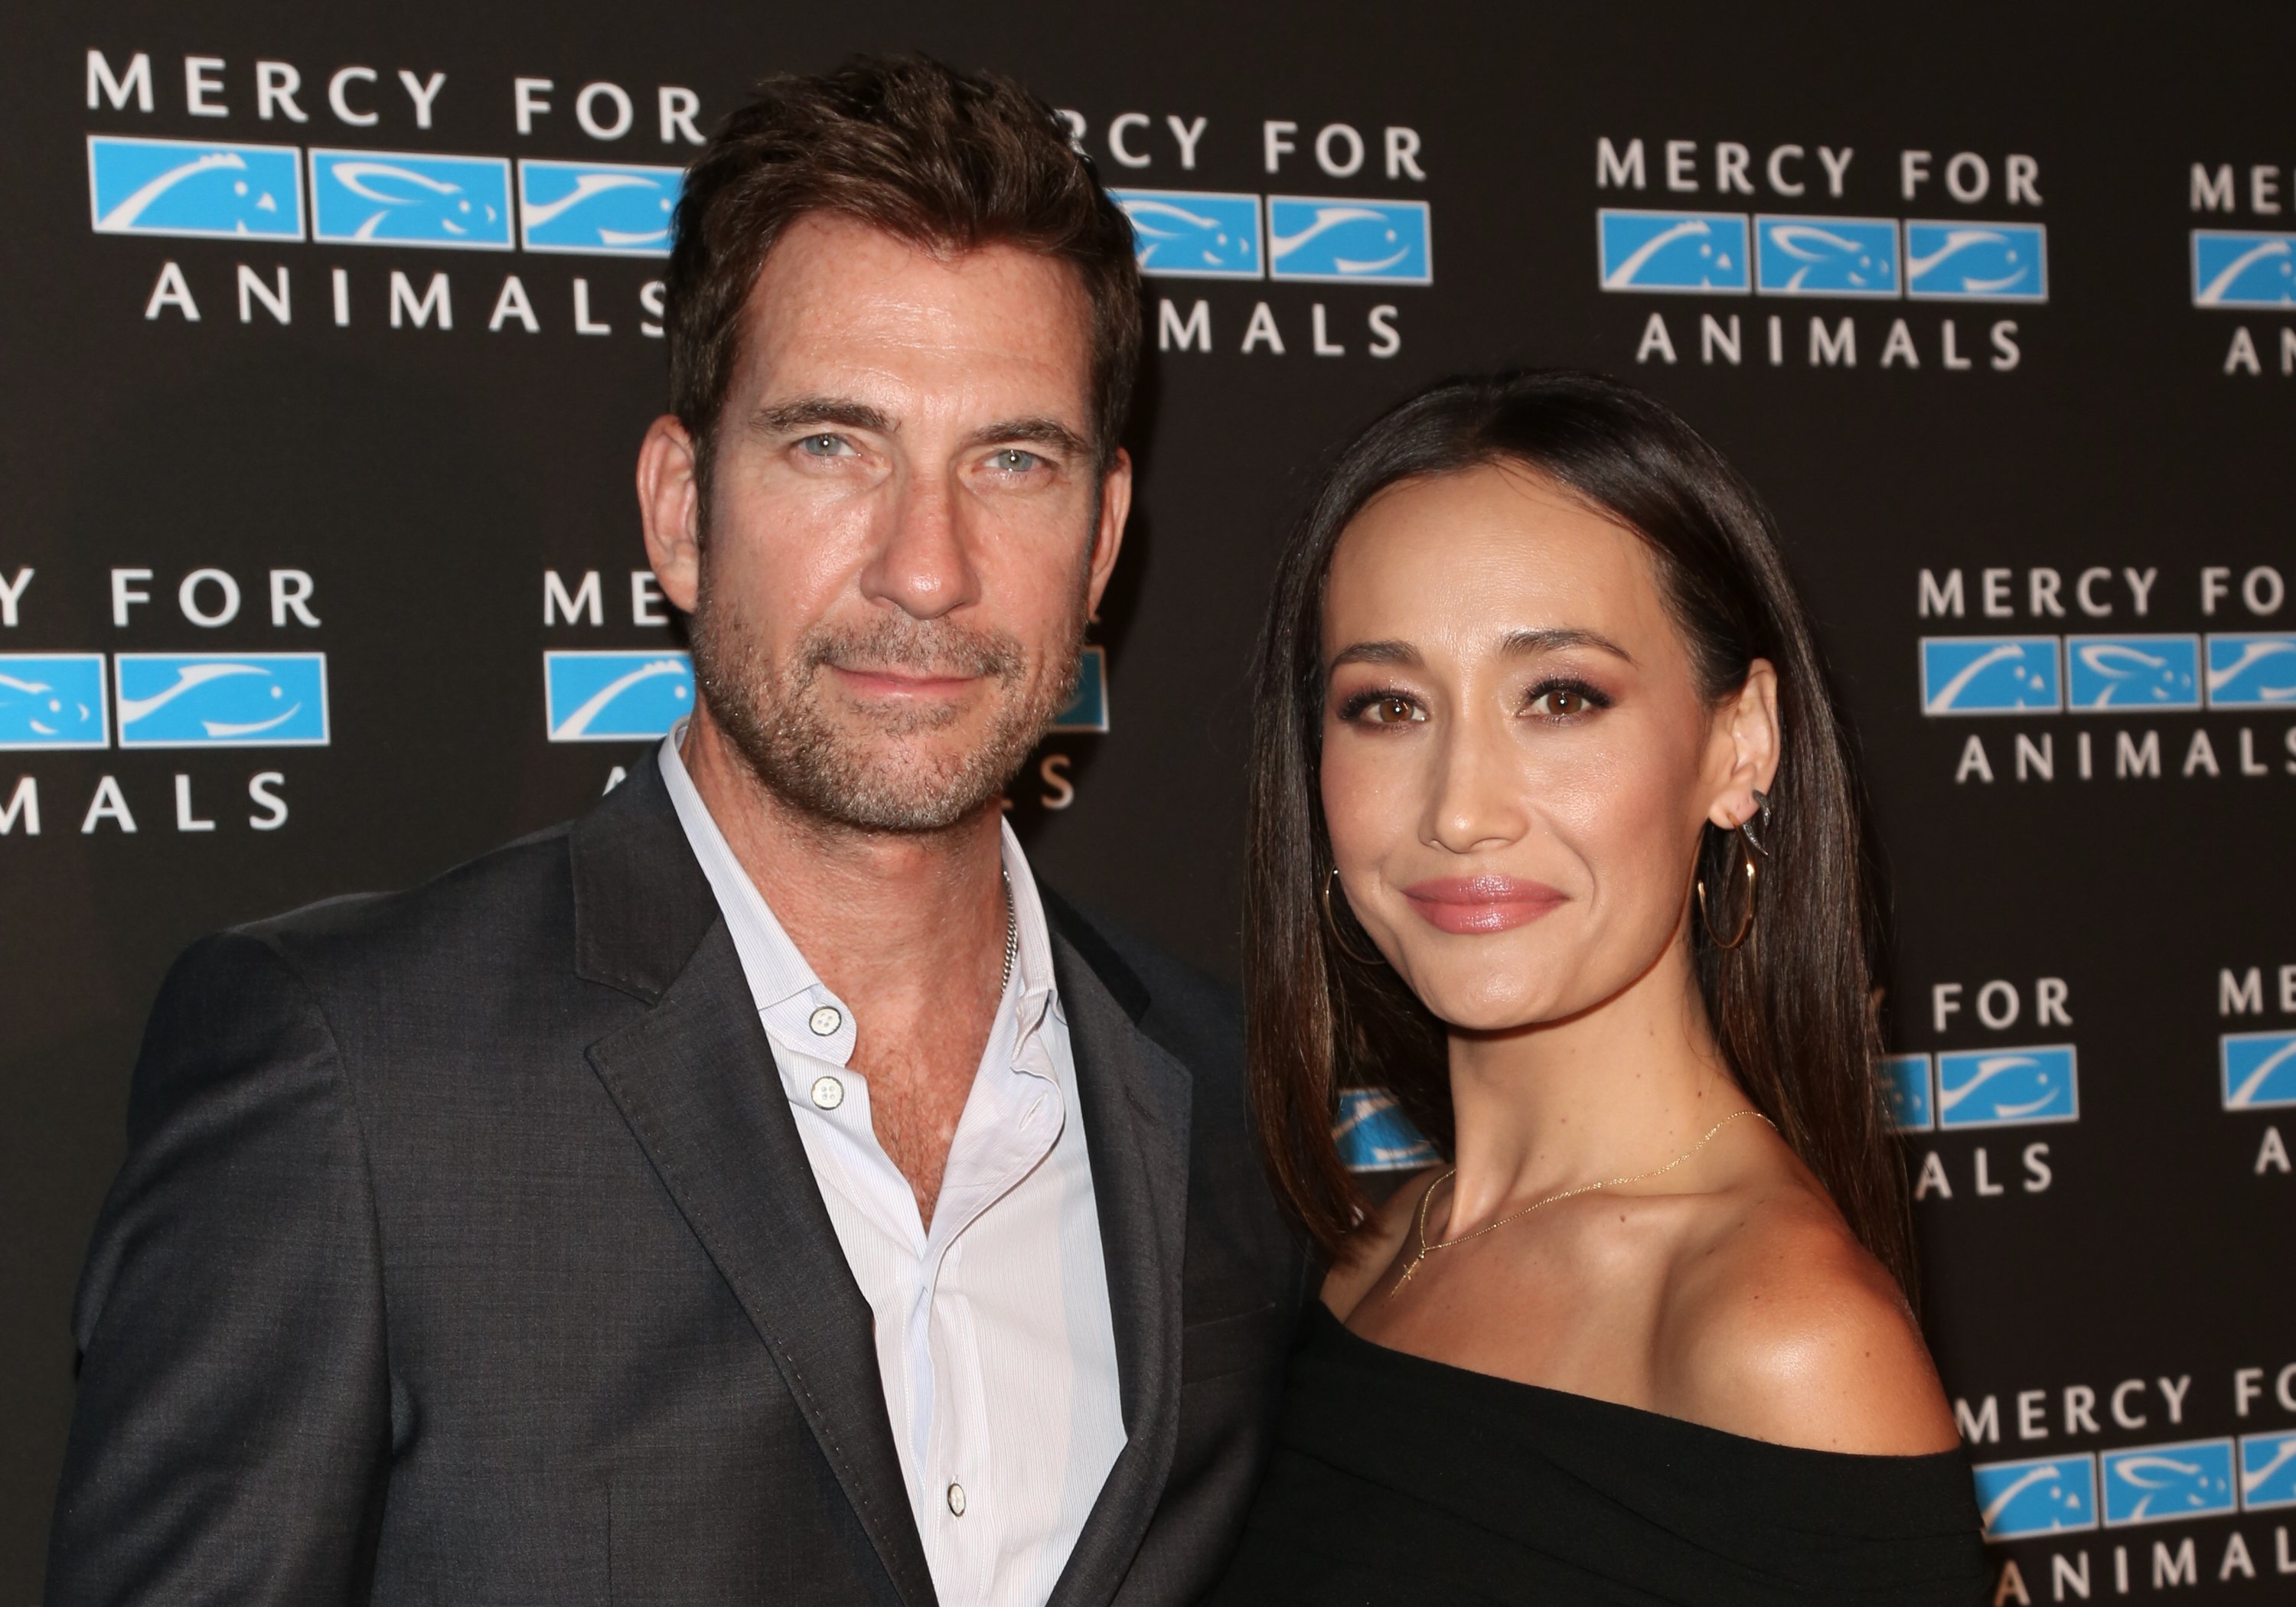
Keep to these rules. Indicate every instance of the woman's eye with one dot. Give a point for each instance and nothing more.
(1562, 703)
(1389, 711)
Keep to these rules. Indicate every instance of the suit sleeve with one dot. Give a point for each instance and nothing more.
(232, 1434)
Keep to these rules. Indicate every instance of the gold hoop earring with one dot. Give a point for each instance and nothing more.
(1745, 923)
(1332, 925)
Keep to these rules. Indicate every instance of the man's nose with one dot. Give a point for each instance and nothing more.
(921, 565)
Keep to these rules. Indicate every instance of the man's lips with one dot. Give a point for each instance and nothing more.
(1481, 903)
(890, 682)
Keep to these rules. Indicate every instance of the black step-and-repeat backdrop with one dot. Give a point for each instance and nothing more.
(329, 339)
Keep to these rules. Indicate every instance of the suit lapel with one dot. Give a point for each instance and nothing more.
(694, 1078)
(1135, 1099)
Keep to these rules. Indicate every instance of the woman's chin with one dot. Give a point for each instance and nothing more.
(1487, 1010)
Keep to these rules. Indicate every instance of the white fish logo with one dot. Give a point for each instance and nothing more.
(1959, 241)
(190, 679)
(1328, 218)
(1995, 1066)
(2251, 654)
(2252, 1479)
(586, 186)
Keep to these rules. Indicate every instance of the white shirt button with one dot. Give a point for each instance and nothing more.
(828, 1093)
(825, 1021)
(957, 1500)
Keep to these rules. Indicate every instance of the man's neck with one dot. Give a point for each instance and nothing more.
(908, 929)
(874, 913)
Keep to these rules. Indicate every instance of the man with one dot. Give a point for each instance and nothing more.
(760, 1189)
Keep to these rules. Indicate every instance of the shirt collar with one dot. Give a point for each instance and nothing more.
(783, 983)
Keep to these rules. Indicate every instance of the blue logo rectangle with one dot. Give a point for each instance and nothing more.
(1325, 240)
(2251, 670)
(1087, 710)
(2232, 269)
(1192, 234)
(2132, 672)
(52, 700)
(403, 198)
(1977, 261)
(2047, 1496)
(2268, 1471)
(2164, 1483)
(1826, 256)
(195, 188)
(1692, 253)
(1905, 1092)
(1374, 1135)
(613, 696)
(2259, 1069)
(597, 208)
(1990, 675)
(214, 700)
(2008, 1087)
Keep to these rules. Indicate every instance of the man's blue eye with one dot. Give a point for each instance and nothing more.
(821, 445)
(1013, 460)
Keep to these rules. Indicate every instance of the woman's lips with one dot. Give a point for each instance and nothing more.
(1480, 904)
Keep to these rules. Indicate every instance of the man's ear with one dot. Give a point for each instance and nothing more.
(670, 506)
(1107, 537)
(1747, 736)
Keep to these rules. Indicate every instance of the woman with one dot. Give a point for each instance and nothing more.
(1556, 834)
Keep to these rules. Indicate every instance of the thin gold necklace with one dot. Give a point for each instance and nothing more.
(1426, 1250)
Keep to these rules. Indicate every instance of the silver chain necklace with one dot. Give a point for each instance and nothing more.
(1011, 935)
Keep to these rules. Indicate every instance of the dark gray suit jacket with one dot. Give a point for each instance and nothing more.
(466, 1254)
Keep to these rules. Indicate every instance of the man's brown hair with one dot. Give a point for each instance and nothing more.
(948, 160)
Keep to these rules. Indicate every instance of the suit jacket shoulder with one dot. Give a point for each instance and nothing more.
(1196, 1019)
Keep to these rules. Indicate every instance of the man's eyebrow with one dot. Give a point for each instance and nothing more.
(1375, 652)
(1522, 642)
(786, 418)
(1033, 432)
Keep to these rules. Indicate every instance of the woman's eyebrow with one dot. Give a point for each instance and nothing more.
(1375, 652)
(1524, 643)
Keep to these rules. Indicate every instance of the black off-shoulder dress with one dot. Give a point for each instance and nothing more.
(1398, 1482)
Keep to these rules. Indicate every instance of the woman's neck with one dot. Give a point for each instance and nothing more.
(1617, 1090)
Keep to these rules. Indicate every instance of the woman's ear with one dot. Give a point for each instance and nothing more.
(1747, 740)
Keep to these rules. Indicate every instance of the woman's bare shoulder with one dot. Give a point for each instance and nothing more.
(1777, 1324)
(1371, 1249)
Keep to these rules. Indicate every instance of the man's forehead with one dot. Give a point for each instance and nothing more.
(841, 305)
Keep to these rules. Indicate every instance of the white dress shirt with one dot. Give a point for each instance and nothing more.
(993, 1333)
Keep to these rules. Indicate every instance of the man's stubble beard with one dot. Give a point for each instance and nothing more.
(855, 774)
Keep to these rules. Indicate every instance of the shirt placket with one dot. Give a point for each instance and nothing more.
(964, 1507)
(1004, 1135)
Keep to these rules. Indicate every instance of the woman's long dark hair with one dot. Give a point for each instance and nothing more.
(1790, 1007)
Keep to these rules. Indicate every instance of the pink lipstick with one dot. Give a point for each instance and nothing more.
(1481, 903)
